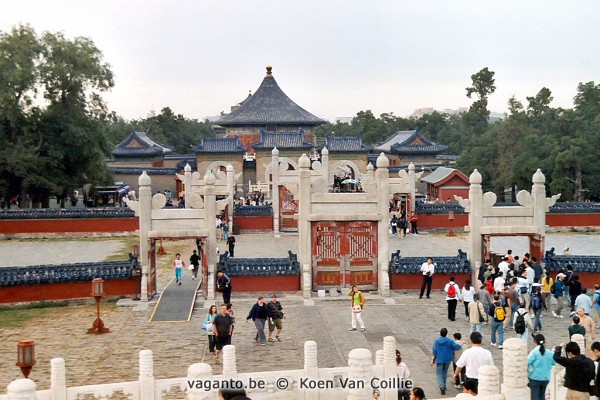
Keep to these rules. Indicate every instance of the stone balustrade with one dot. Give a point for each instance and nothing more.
(352, 382)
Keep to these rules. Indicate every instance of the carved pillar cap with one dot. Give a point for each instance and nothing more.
(324, 152)
(475, 177)
(370, 167)
(539, 177)
(229, 168)
(275, 151)
(304, 161)
(144, 179)
(209, 178)
(382, 161)
(411, 167)
(187, 168)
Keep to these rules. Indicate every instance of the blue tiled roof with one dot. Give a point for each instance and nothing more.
(282, 140)
(220, 145)
(140, 144)
(269, 105)
(400, 143)
(139, 170)
(345, 144)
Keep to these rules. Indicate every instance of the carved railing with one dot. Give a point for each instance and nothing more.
(47, 274)
(72, 213)
(259, 266)
(446, 265)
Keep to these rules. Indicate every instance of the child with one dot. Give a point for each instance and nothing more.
(457, 353)
(178, 264)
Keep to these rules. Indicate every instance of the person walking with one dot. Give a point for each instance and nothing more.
(579, 371)
(403, 373)
(547, 283)
(210, 329)
(452, 296)
(559, 295)
(588, 324)
(497, 311)
(474, 358)
(467, 293)
(477, 314)
(457, 353)
(584, 301)
(225, 231)
(539, 367)
(277, 316)
(536, 305)
(231, 245)
(443, 355)
(596, 305)
(259, 314)
(576, 328)
(195, 262)
(522, 323)
(231, 313)
(575, 290)
(402, 225)
(223, 327)
(178, 264)
(512, 298)
(224, 285)
(427, 270)
(486, 300)
(394, 224)
(358, 304)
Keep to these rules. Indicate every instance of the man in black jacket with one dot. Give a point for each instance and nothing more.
(259, 314)
(579, 370)
(224, 286)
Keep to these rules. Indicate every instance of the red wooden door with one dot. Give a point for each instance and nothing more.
(288, 207)
(344, 254)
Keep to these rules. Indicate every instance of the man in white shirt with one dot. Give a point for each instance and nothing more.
(499, 282)
(427, 270)
(473, 358)
(503, 266)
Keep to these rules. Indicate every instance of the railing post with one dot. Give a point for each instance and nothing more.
(360, 373)
(229, 362)
(379, 358)
(389, 366)
(21, 389)
(311, 368)
(146, 379)
(489, 380)
(196, 373)
(514, 363)
(58, 382)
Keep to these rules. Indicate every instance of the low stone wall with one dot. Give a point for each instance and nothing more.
(414, 281)
(262, 223)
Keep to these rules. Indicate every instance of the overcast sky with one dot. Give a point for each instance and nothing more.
(334, 58)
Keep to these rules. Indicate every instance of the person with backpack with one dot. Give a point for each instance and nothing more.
(539, 367)
(467, 293)
(486, 299)
(547, 283)
(536, 306)
(498, 313)
(522, 323)
(568, 277)
(452, 297)
(477, 314)
(579, 370)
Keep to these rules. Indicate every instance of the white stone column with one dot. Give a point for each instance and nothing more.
(326, 171)
(210, 220)
(275, 192)
(379, 358)
(538, 194)
(188, 185)
(389, 366)
(58, 381)
(146, 379)
(382, 178)
(514, 365)
(230, 194)
(229, 361)
(145, 218)
(412, 184)
(21, 389)
(311, 369)
(199, 372)
(489, 380)
(360, 373)
(304, 227)
(475, 221)
(580, 340)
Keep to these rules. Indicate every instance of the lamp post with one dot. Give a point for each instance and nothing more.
(26, 356)
(98, 292)
(451, 218)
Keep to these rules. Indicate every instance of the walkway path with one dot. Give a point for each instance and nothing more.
(176, 301)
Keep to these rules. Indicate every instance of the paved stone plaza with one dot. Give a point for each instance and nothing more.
(61, 332)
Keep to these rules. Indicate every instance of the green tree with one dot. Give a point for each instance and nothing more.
(483, 85)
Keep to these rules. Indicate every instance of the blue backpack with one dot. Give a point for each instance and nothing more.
(536, 302)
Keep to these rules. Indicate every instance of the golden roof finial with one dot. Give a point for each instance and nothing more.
(269, 69)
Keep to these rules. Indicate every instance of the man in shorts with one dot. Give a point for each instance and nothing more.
(223, 324)
(277, 315)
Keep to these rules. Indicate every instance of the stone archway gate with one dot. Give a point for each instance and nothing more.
(486, 220)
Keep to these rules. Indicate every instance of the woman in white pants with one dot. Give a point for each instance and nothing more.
(358, 303)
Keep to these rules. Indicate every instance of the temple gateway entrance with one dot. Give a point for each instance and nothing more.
(344, 254)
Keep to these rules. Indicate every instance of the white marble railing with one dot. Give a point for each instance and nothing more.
(311, 382)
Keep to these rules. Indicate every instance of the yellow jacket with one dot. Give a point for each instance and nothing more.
(362, 298)
(546, 286)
